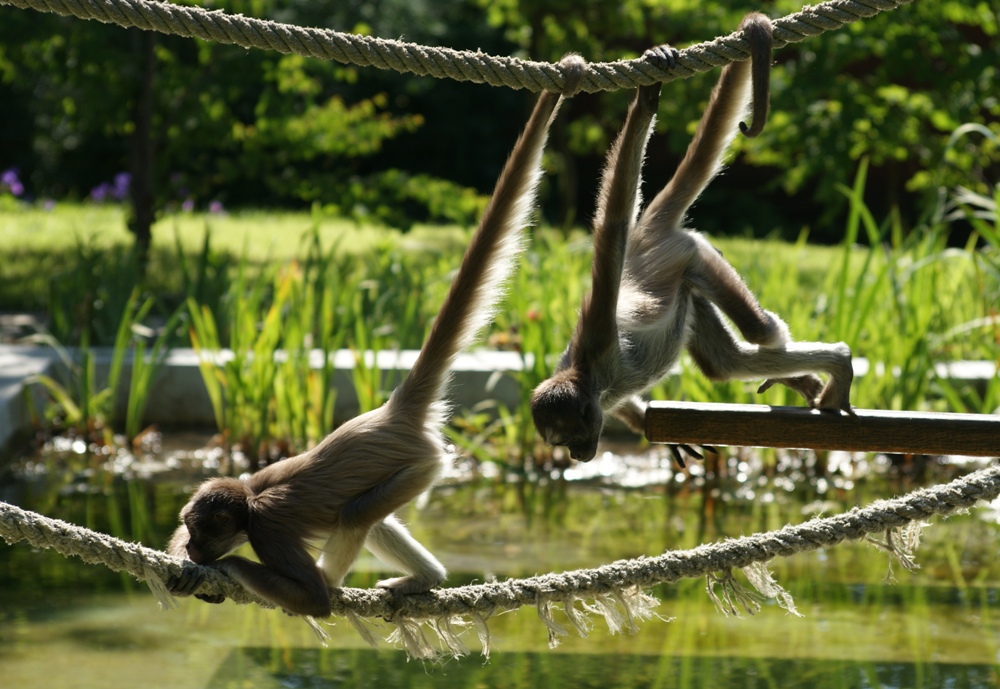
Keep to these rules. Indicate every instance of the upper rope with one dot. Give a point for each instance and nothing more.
(460, 65)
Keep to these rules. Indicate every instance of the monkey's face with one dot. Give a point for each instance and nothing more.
(566, 415)
(210, 536)
(216, 520)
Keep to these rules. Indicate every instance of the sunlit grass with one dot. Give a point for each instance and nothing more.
(37, 245)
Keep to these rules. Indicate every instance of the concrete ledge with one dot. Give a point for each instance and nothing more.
(178, 395)
(17, 363)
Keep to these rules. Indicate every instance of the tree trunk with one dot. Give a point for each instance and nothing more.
(140, 220)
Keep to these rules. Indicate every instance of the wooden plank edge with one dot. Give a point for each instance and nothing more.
(868, 430)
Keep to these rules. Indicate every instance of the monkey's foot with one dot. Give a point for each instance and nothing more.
(663, 56)
(404, 586)
(678, 452)
(836, 395)
(809, 386)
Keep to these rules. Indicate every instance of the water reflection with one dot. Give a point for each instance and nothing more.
(64, 623)
(262, 668)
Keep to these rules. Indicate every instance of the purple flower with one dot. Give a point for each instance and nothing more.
(49, 205)
(215, 207)
(100, 193)
(121, 186)
(188, 205)
(10, 180)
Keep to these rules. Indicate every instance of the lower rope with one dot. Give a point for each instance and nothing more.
(616, 588)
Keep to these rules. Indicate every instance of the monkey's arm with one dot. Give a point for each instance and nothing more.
(286, 575)
(190, 578)
(617, 207)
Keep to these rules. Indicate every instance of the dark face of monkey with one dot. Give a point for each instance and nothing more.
(568, 414)
(216, 520)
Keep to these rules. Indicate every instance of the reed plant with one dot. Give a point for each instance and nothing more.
(273, 392)
(78, 401)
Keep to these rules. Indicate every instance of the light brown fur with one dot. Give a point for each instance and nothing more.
(344, 491)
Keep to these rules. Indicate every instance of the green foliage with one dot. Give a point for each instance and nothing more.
(89, 297)
(80, 403)
(397, 199)
(283, 324)
(259, 128)
(247, 127)
(908, 304)
(859, 94)
(302, 141)
(270, 392)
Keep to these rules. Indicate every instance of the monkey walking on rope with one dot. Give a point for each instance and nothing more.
(343, 492)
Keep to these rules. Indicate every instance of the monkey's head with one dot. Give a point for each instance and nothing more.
(567, 411)
(216, 519)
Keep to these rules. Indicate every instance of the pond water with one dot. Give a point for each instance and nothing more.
(67, 624)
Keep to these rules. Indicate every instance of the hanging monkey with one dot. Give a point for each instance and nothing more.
(658, 288)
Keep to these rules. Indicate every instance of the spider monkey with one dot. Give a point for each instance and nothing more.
(658, 288)
(343, 492)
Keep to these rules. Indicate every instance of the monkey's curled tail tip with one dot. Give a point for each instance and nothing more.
(753, 130)
(573, 68)
(757, 30)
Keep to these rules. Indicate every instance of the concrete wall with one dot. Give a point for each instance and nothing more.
(178, 395)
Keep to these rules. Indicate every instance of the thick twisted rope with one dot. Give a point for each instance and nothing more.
(195, 22)
(880, 517)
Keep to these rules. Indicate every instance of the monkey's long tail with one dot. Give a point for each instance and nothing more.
(489, 258)
(719, 124)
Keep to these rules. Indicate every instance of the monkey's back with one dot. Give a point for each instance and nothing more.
(352, 461)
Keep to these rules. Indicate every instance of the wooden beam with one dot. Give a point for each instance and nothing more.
(759, 425)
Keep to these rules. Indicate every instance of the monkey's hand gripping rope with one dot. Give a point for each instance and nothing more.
(616, 591)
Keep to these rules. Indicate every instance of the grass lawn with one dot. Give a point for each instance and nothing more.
(37, 245)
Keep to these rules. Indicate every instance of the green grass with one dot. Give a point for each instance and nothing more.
(36, 244)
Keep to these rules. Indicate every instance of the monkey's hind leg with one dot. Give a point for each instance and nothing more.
(721, 357)
(339, 553)
(390, 541)
(716, 280)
